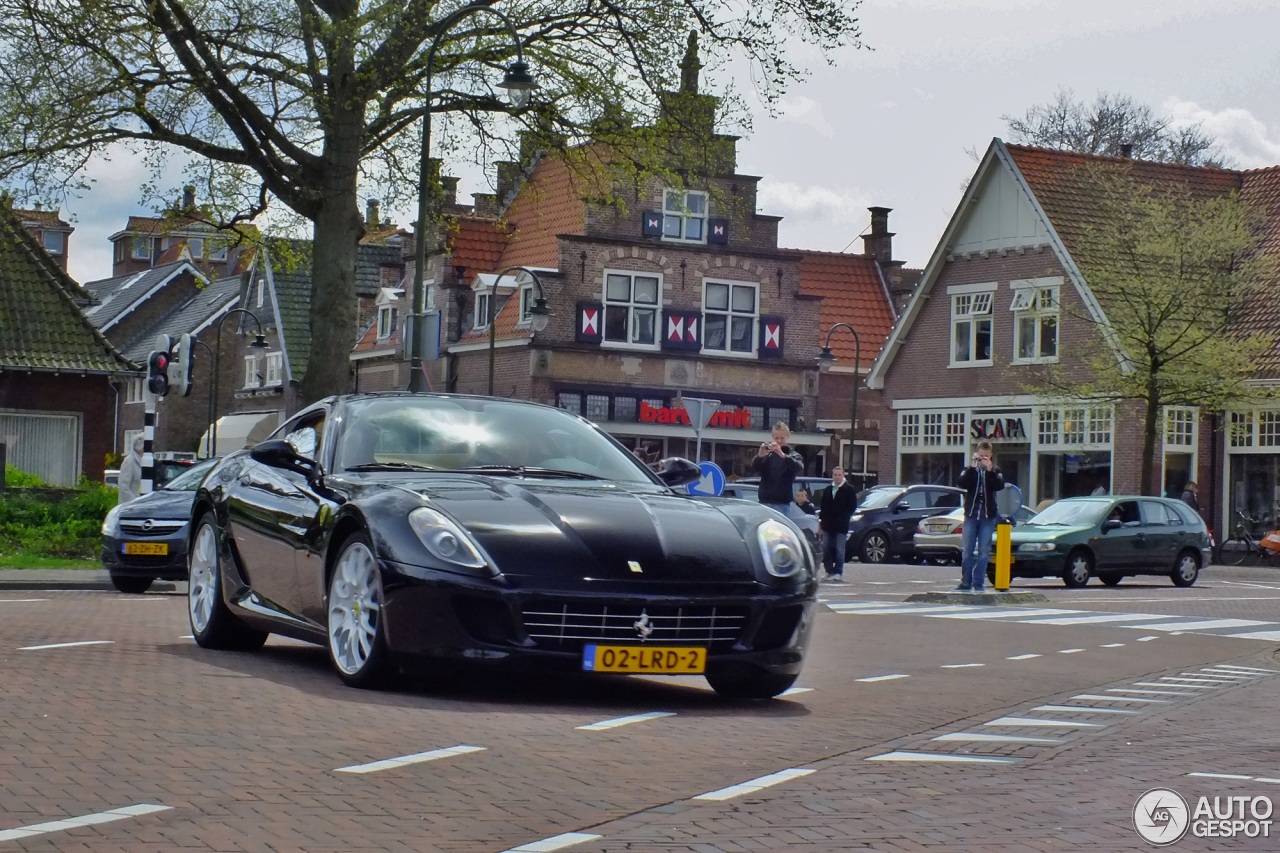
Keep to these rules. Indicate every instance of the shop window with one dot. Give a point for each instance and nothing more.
(776, 415)
(1241, 429)
(932, 432)
(1035, 324)
(1100, 425)
(955, 429)
(684, 216)
(909, 431)
(757, 417)
(1268, 429)
(624, 409)
(729, 318)
(631, 308)
(570, 401)
(1049, 423)
(1073, 426)
(597, 407)
(971, 328)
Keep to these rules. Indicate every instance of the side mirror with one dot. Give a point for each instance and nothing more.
(677, 471)
(1111, 524)
(901, 506)
(279, 453)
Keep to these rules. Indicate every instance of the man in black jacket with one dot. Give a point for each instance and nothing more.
(980, 481)
(778, 466)
(838, 501)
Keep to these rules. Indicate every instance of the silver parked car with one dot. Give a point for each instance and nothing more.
(939, 539)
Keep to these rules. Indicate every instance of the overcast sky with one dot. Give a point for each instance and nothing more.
(892, 126)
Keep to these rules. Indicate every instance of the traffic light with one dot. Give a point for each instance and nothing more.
(158, 373)
(180, 373)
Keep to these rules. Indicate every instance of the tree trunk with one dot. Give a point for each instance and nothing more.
(1149, 432)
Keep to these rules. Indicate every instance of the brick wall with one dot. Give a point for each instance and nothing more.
(92, 397)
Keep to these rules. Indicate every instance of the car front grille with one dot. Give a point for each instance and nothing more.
(568, 625)
(149, 526)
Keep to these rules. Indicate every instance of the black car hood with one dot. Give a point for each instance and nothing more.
(160, 504)
(596, 531)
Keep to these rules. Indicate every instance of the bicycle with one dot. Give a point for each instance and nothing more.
(1242, 544)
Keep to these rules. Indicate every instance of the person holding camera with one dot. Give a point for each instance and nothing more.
(980, 480)
(778, 466)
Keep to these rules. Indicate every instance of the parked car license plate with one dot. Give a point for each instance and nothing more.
(156, 549)
(668, 660)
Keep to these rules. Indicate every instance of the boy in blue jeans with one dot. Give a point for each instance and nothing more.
(980, 481)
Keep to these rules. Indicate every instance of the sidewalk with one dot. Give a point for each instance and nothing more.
(63, 579)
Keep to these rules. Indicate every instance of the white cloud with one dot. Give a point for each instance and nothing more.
(1245, 139)
(807, 112)
(819, 217)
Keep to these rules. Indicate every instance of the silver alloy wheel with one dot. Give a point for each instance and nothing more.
(355, 606)
(1187, 568)
(876, 548)
(202, 578)
(1079, 570)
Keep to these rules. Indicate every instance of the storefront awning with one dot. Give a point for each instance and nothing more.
(239, 431)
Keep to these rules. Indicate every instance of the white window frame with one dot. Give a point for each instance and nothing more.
(481, 321)
(526, 306)
(195, 245)
(135, 391)
(1034, 301)
(1075, 426)
(140, 248)
(219, 252)
(729, 314)
(971, 305)
(59, 237)
(262, 289)
(274, 369)
(632, 308)
(679, 217)
(251, 372)
(386, 322)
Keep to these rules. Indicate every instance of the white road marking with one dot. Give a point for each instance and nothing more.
(794, 690)
(999, 613)
(896, 609)
(1147, 639)
(755, 784)
(1222, 776)
(1249, 584)
(1093, 697)
(1083, 709)
(21, 600)
(605, 725)
(1270, 636)
(1148, 692)
(66, 645)
(83, 820)
(902, 755)
(557, 842)
(1022, 657)
(1069, 651)
(977, 737)
(1206, 624)
(883, 677)
(1036, 721)
(1234, 676)
(1102, 617)
(961, 665)
(1235, 668)
(1112, 645)
(403, 760)
(1193, 682)
(1173, 684)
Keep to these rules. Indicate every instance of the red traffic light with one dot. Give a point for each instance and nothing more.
(159, 361)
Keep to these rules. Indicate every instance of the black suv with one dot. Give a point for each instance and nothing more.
(883, 527)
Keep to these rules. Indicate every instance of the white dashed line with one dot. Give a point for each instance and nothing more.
(403, 760)
(1207, 625)
(1222, 776)
(1036, 721)
(1219, 676)
(83, 820)
(1148, 692)
(755, 784)
(903, 755)
(605, 725)
(1069, 651)
(558, 842)
(1147, 639)
(1112, 645)
(21, 600)
(1093, 697)
(66, 645)
(961, 665)
(1233, 668)
(1022, 657)
(1083, 709)
(883, 677)
(976, 737)
(1192, 682)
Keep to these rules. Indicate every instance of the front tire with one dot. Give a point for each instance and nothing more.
(1186, 569)
(129, 584)
(875, 547)
(743, 681)
(212, 622)
(1078, 569)
(357, 636)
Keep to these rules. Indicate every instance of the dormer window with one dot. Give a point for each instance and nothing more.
(386, 322)
(482, 310)
(684, 216)
(54, 242)
(526, 306)
(195, 245)
(142, 248)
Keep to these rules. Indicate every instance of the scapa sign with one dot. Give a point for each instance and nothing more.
(998, 429)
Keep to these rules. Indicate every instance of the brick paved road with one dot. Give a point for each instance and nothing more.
(242, 749)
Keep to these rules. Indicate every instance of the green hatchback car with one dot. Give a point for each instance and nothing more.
(1111, 537)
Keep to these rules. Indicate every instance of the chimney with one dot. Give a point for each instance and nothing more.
(373, 213)
(188, 197)
(449, 185)
(879, 243)
(485, 205)
(1126, 150)
(508, 174)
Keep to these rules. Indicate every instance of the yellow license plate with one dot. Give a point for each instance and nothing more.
(664, 660)
(157, 549)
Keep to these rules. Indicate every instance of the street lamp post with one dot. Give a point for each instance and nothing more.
(826, 358)
(539, 314)
(519, 83)
(259, 342)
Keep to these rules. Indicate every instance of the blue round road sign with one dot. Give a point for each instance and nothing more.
(712, 483)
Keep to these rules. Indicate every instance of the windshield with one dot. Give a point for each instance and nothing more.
(1072, 513)
(189, 479)
(879, 498)
(482, 436)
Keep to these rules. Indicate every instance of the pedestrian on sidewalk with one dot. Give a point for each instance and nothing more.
(807, 506)
(778, 466)
(1189, 496)
(838, 502)
(980, 481)
(129, 481)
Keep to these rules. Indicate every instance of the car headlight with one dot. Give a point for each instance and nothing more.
(445, 539)
(109, 523)
(857, 516)
(1037, 546)
(783, 554)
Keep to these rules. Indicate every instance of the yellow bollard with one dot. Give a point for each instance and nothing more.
(1004, 556)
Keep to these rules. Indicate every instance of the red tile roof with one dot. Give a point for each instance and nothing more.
(476, 243)
(1261, 187)
(47, 218)
(852, 292)
(548, 204)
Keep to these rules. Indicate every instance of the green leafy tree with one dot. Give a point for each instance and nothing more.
(306, 102)
(1174, 271)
